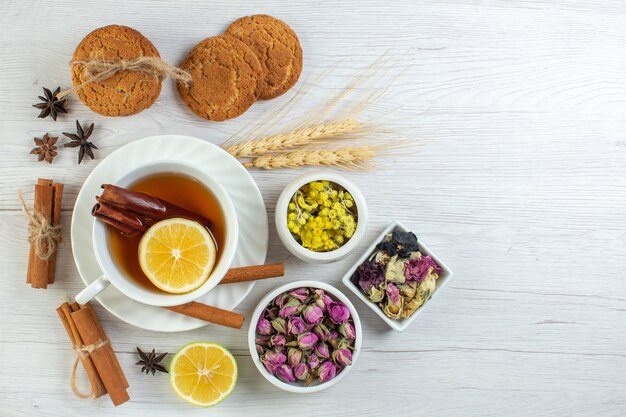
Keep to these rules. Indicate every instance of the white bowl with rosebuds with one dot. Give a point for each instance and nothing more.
(304, 336)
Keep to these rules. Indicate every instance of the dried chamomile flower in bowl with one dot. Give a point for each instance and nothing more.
(321, 217)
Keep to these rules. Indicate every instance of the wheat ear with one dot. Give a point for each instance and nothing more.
(301, 136)
(361, 157)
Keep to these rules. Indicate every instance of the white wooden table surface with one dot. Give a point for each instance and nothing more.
(520, 186)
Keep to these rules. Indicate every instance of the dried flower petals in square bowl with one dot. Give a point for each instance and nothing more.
(397, 277)
(304, 336)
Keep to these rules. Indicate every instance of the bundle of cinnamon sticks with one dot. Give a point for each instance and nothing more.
(95, 353)
(44, 233)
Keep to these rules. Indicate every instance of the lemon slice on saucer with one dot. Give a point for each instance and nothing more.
(177, 255)
(203, 373)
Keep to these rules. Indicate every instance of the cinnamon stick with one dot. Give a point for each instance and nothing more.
(127, 223)
(97, 386)
(253, 273)
(224, 317)
(75, 307)
(88, 327)
(56, 220)
(31, 254)
(39, 267)
(210, 314)
(121, 204)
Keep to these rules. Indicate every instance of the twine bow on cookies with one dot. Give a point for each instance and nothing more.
(41, 232)
(100, 70)
(81, 353)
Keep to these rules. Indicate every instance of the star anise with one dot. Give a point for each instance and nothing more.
(50, 105)
(80, 139)
(45, 149)
(150, 362)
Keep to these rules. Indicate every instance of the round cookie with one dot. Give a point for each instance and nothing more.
(225, 74)
(126, 92)
(277, 47)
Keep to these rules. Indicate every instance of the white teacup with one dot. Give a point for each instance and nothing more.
(111, 274)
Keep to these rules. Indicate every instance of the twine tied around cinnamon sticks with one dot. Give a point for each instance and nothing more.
(41, 232)
(100, 70)
(83, 352)
(94, 350)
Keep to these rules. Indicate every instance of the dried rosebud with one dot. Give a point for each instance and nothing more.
(393, 293)
(338, 312)
(321, 350)
(285, 373)
(322, 332)
(393, 304)
(313, 314)
(300, 294)
(263, 326)
(288, 311)
(262, 340)
(322, 301)
(273, 360)
(333, 338)
(342, 357)
(290, 308)
(327, 371)
(313, 362)
(318, 293)
(294, 356)
(301, 371)
(280, 300)
(260, 350)
(344, 344)
(296, 325)
(271, 313)
(280, 324)
(347, 330)
(278, 341)
(307, 340)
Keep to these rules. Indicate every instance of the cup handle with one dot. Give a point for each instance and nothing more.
(92, 290)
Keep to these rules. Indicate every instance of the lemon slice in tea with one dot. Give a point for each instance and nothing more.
(177, 255)
(203, 373)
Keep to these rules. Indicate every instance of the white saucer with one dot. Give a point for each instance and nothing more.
(246, 197)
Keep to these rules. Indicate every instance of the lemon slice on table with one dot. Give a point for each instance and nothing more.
(177, 255)
(203, 373)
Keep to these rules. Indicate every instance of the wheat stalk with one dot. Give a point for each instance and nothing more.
(302, 136)
(361, 157)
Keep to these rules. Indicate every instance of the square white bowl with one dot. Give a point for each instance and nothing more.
(401, 324)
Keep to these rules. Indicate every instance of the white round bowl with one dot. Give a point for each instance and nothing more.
(316, 385)
(292, 244)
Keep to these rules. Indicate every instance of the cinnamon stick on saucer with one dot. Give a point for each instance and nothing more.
(209, 313)
(253, 273)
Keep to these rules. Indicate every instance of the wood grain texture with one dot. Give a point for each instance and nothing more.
(519, 185)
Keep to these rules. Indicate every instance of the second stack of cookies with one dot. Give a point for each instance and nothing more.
(258, 57)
